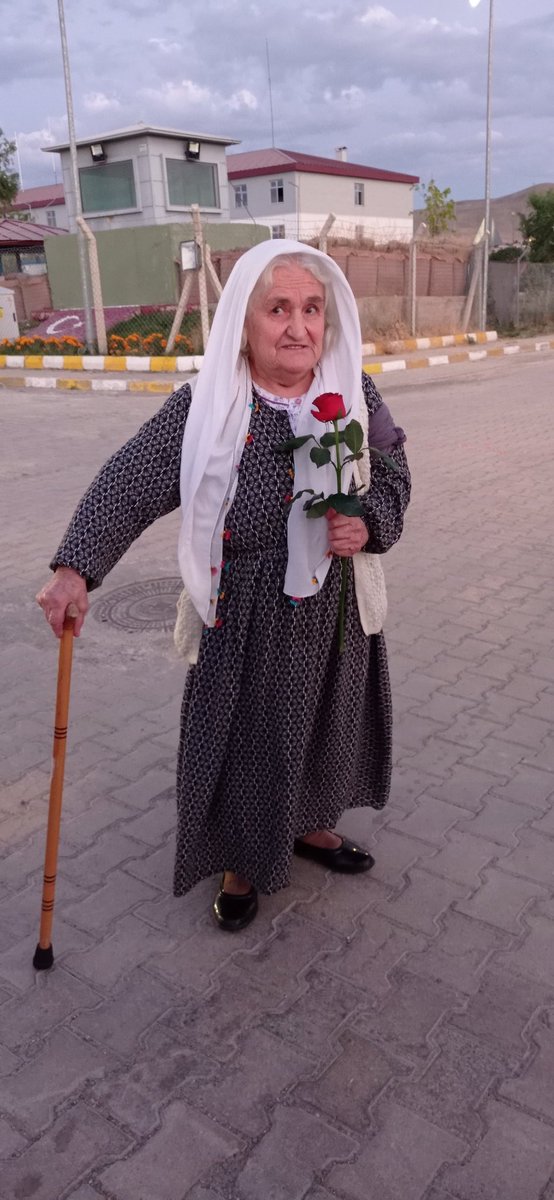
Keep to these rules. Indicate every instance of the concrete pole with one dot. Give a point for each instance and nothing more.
(96, 286)
(180, 311)
(83, 269)
(413, 286)
(202, 286)
(322, 243)
(486, 239)
(214, 278)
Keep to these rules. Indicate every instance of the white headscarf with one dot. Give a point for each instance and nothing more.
(217, 426)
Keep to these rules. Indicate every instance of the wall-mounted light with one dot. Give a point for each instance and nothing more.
(192, 150)
(97, 152)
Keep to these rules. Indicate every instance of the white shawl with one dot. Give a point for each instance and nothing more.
(217, 426)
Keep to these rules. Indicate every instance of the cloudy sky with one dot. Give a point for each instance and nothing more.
(401, 84)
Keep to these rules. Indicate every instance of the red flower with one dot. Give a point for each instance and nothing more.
(329, 407)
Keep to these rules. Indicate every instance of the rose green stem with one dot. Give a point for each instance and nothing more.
(342, 598)
(343, 561)
(338, 464)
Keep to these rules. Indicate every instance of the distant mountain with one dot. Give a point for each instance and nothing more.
(505, 212)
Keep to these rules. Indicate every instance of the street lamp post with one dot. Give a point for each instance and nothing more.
(83, 267)
(487, 232)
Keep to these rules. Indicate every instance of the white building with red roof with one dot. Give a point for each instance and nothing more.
(43, 205)
(294, 193)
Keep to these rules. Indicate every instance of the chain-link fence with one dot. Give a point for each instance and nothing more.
(401, 288)
(521, 294)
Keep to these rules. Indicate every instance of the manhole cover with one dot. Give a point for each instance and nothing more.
(140, 607)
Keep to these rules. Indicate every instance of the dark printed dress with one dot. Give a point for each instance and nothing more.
(279, 734)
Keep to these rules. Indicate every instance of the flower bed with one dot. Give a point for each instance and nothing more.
(151, 344)
(42, 345)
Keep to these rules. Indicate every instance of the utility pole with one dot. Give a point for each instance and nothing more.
(83, 265)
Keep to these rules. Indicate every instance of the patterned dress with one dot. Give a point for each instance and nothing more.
(279, 734)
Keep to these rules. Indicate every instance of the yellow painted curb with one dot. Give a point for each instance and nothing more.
(113, 362)
(159, 363)
(92, 382)
(163, 364)
(72, 385)
(72, 362)
(143, 385)
(13, 381)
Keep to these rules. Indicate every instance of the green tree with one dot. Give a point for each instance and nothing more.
(538, 227)
(440, 209)
(9, 180)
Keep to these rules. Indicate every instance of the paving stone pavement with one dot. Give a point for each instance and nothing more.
(382, 1038)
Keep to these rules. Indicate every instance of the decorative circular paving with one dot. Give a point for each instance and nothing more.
(140, 607)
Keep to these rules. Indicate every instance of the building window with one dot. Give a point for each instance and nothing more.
(277, 191)
(277, 231)
(191, 183)
(108, 187)
(241, 195)
(51, 217)
(359, 193)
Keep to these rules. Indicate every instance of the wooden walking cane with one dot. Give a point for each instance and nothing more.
(44, 954)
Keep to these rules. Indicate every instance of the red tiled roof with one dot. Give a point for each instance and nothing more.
(25, 233)
(267, 162)
(40, 197)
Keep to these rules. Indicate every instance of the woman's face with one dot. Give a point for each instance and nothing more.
(285, 328)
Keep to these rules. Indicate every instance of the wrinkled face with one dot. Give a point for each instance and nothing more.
(285, 328)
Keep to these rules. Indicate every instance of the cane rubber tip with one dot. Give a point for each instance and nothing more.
(43, 959)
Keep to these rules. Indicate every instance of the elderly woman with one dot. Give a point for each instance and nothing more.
(280, 734)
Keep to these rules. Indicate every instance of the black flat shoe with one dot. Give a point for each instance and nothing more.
(346, 858)
(235, 912)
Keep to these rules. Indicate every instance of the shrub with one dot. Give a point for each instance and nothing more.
(506, 254)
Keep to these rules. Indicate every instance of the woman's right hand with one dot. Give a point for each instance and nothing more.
(64, 588)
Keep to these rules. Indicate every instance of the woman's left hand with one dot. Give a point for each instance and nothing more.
(347, 535)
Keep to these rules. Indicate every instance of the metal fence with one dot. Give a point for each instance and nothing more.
(521, 294)
(401, 289)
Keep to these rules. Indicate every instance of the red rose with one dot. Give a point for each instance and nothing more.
(329, 407)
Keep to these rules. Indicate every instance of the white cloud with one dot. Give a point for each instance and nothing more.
(242, 99)
(175, 96)
(315, 14)
(164, 46)
(377, 15)
(178, 97)
(353, 95)
(98, 102)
